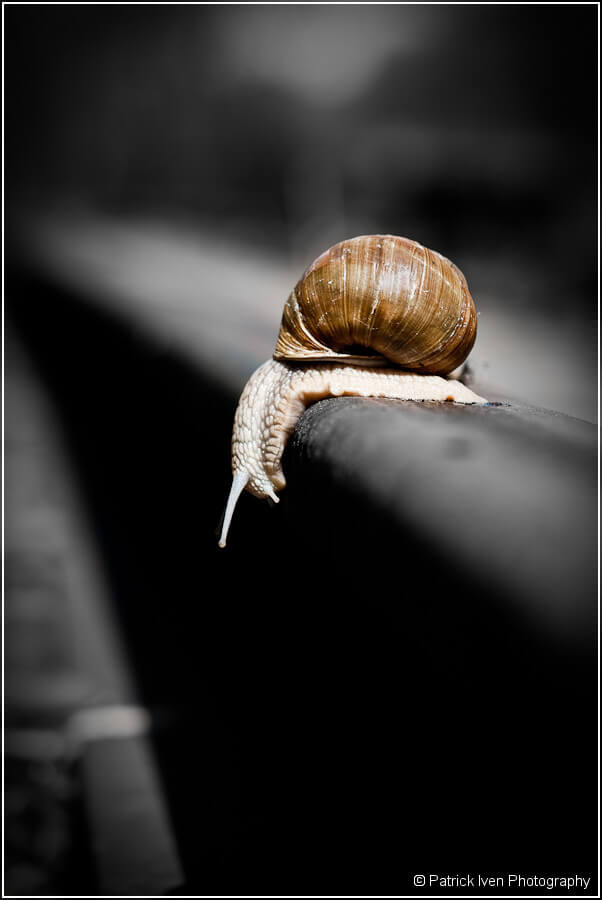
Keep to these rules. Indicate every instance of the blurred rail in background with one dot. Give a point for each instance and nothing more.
(170, 171)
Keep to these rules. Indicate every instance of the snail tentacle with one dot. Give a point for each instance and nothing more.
(239, 483)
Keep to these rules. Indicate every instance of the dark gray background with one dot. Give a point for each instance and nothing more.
(357, 688)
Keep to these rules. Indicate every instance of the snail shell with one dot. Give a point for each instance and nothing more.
(367, 303)
(380, 296)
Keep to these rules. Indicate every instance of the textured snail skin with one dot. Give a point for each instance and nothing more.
(363, 304)
(278, 392)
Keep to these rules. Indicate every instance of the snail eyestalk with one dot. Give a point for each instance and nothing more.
(239, 482)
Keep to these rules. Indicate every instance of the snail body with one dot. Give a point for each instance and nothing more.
(374, 316)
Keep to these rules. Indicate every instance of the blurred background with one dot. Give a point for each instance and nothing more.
(286, 128)
(170, 170)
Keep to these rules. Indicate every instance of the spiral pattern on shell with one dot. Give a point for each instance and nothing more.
(380, 296)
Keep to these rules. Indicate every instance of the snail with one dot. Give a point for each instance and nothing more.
(373, 316)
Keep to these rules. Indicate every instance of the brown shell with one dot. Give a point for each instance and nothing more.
(380, 296)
